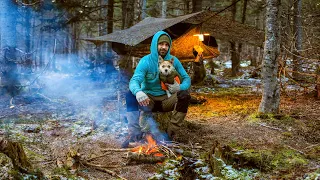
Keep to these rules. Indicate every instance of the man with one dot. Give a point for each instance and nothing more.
(147, 94)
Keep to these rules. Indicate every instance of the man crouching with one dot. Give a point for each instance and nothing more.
(148, 96)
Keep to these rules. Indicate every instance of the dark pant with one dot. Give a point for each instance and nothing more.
(180, 99)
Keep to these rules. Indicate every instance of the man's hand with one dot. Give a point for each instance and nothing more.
(142, 98)
(173, 88)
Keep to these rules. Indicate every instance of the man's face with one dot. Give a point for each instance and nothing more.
(163, 48)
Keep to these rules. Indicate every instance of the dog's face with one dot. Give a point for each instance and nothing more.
(165, 67)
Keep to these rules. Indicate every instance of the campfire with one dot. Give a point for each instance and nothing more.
(150, 148)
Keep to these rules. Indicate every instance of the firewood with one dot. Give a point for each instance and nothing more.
(118, 150)
(142, 158)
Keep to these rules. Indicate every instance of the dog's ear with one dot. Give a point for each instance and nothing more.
(160, 60)
(171, 60)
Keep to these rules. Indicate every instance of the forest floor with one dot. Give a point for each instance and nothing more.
(51, 129)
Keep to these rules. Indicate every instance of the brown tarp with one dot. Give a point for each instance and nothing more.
(136, 39)
(182, 47)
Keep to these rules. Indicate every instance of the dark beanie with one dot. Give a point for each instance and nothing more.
(164, 38)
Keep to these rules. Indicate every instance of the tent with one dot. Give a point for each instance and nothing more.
(136, 39)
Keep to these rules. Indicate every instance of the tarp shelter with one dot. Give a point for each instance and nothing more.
(136, 39)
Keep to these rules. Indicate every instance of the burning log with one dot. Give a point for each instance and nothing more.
(144, 158)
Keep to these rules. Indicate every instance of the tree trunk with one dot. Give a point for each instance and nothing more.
(144, 9)
(198, 68)
(27, 26)
(235, 58)
(196, 5)
(8, 15)
(127, 13)
(297, 26)
(271, 95)
(243, 19)
(164, 9)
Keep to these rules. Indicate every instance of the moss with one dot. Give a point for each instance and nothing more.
(287, 159)
(287, 134)
(33, 155)
(267, 159)
(253, 118)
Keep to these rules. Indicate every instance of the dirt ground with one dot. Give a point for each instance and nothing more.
(229, 117)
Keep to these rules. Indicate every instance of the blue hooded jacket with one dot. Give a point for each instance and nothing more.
(146, 76)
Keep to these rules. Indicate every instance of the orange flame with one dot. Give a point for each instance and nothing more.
(150, 148)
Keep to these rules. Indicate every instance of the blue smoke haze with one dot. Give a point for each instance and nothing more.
(63, 75)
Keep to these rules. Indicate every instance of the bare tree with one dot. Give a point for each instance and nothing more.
(271, 93)
(297, 29)
(235, 58)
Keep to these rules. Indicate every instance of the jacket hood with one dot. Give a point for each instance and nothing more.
(154, 46)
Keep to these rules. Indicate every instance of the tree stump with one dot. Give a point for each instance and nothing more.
(15, 152)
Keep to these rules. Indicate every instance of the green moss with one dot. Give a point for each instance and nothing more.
(287, 159)
(269, 159)
(253, 118)
(33, 155)
(231, 91)
(287, 134)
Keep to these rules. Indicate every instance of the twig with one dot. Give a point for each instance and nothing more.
(274, 128)
(102, 169)
(296, 150)
(90, 159)
(311, 146)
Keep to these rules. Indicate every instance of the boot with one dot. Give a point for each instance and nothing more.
(134, 130)
(175, 123)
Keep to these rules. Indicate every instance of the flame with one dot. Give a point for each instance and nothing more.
(151, 148)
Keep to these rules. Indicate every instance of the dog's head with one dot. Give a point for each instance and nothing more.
(165, 67)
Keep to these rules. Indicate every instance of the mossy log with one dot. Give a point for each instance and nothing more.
(15, 152)
(221, 154)
(142, 158)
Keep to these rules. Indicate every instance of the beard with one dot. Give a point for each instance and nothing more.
(163, 52)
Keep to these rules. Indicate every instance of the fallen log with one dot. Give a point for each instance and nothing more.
(143, 158)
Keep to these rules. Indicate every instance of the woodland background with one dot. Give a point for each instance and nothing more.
(62, 98)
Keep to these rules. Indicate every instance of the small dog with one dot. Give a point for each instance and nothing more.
(167, 74)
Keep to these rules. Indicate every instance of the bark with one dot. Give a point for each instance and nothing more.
(142, 158)
(235, 58)
(196, 5)
(164, 9)
(198, 68)
(16, 153)
(144, 9)
(127, 13)
(297, 26)
(243, 19)
(271, 95)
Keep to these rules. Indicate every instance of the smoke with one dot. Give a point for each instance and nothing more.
(36, 60)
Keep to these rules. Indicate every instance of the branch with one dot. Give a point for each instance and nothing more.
(102, 169)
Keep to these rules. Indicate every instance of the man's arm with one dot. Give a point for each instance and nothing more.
(137, 78)
(185, 79)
